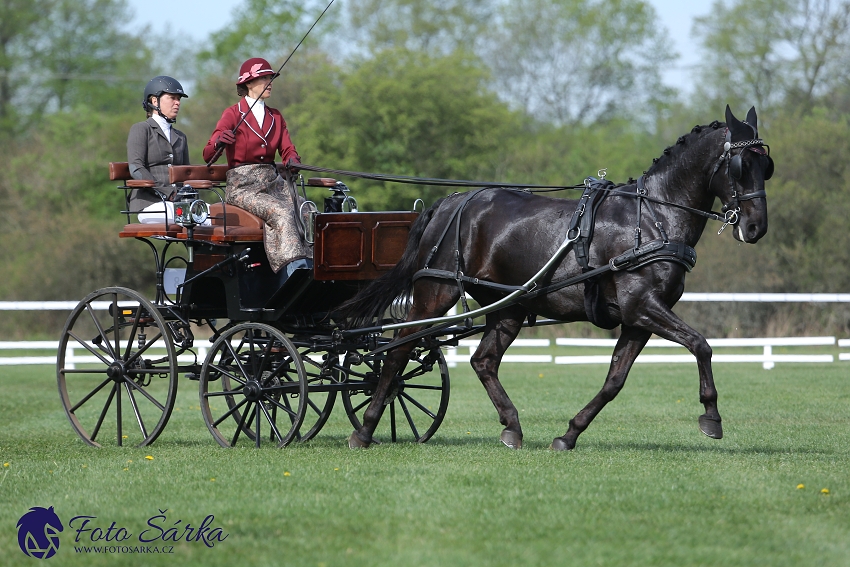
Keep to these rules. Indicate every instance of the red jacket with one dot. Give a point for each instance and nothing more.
(253, 144)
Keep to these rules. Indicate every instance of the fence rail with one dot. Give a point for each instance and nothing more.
(767, 359)
(77, 354)
(453, 355)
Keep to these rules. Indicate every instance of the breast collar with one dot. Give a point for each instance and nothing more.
(245, 121)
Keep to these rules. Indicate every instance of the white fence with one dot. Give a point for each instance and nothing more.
(78, 354)
(767, 358)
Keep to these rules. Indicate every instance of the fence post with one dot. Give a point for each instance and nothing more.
(768, 364)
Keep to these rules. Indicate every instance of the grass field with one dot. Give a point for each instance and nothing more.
(643, 487)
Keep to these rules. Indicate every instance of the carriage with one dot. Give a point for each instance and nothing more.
(272, 362)
(278, 362)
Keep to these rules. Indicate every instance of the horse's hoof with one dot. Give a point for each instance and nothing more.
(511, 439)
(355, 442)
(711, 427)
(558, 444)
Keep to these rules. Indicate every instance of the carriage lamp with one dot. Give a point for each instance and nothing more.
(340, 200)
(189, 209)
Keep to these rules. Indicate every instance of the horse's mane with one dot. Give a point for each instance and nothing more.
(671, 152)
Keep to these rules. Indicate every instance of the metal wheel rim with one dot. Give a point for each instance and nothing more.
(121, 363)
(403, 409)
(256, 385)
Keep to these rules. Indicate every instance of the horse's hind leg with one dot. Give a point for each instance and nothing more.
(502, 328)
(429, 300)
(631, 342)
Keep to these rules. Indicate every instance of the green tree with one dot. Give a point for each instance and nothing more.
(17, 27)
(266, 28)
(433, 26)
(579, 61)
(406, 113)
(772, 52)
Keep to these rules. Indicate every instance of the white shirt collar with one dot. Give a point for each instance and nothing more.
(166, 127)
(258, 110)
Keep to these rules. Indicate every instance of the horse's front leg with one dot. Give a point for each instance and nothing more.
(660, 319)
(631, 342)
(502, 328)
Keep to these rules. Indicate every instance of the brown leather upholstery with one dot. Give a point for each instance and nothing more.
(144, 230)
(136, 183)
(199, 183)
(119, 171)
(239, 226)
(182, 173)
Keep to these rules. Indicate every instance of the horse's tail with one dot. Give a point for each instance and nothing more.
(373, 300)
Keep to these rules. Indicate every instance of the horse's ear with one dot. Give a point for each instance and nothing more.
(738, 129)
(752, 119)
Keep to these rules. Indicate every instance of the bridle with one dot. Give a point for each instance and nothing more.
(734, 171)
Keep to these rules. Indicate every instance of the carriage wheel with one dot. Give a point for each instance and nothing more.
(253, 387)
(418, 397)
(323, 373)
(128, 358)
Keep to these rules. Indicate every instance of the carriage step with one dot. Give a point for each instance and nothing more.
(193, 376)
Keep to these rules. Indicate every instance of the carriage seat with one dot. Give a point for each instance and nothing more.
(120, 171)
(229, 224)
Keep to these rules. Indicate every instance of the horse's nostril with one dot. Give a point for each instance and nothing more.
(752, 231)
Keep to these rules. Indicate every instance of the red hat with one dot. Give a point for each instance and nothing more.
(253, 68)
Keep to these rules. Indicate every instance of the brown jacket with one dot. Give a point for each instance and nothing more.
(149, 155)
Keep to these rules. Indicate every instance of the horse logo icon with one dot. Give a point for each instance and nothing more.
(38, 532)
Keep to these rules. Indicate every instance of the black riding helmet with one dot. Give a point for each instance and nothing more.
(157, 87)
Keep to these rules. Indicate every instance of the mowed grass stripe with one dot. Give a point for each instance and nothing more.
(643, 487)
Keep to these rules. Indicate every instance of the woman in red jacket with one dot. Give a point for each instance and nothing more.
(253, 182)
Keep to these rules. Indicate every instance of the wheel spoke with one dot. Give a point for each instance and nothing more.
(242, 424)
(116, 330)
(142, 350)
(362, 405)
(285, 408)
(230, 412)
(422, 387)
(422, 408)
(88, 397)
(409, 419)
(103, 412)
(88, 348)
(235, 392)
(132, 336)
(392, 421)
(272, 425)
(237, 361)
(135, 406)
(119, 429)
(257, 427)
(145, 394)
(228, 373)
(101, 332)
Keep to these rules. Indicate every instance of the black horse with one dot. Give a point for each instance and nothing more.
(492, 243)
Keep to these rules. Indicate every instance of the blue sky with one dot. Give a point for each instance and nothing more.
(194, 20)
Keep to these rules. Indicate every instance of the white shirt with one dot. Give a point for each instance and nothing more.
(258, 110)
(163, 123)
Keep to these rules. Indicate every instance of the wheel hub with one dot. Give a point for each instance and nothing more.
(116, 371)
(252, 391)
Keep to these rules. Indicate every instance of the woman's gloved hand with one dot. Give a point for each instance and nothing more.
(225, 139)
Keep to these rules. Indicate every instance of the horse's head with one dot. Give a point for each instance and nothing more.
(741, 172)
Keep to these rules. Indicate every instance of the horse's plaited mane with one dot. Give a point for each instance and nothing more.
(682, 141)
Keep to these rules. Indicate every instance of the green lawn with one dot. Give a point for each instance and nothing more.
(643, 487)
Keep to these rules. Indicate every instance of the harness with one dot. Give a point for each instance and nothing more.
(580, 235)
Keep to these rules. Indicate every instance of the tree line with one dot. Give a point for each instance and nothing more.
(523, 91)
